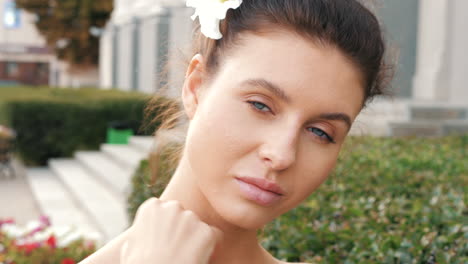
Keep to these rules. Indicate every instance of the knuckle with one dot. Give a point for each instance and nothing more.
(190, 215)
(153, 201)
(147, 206)
(150, 203)
(172, 204)
(207, 231)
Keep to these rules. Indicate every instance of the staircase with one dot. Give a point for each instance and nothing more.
(89, 191)
(432, 121)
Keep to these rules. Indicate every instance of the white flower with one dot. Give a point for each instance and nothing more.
(13, 230)
(210, 13)
(70, 238)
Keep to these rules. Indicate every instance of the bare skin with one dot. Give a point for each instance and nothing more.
(288, 134)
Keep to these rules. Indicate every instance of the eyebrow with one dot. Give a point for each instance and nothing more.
(273, 88)
(337, 116)
(276, 90)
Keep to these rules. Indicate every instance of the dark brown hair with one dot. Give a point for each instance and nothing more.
(343, 24)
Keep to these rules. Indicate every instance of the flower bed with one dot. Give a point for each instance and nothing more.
(41, 243)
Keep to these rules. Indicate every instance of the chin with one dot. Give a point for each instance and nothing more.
(243, 214)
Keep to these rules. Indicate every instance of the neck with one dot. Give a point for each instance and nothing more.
(238, 245)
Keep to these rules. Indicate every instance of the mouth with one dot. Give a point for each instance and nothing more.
(261, 191)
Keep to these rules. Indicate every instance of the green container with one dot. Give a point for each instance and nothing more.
(118, 136)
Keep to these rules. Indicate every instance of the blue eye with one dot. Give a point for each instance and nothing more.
(260, 106)
(321, 134)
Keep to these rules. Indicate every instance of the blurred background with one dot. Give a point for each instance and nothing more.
(76, 76)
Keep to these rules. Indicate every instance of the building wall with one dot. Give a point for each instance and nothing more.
(31, 73)
(145, 37)
(25, 46)
(26, 34)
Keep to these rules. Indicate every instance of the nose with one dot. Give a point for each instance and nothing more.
(279, 151)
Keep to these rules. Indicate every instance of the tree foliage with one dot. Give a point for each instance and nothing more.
(67, 26)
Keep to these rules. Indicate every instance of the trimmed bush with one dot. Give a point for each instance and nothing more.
(142, 185)
(57, 122)
(388, 201)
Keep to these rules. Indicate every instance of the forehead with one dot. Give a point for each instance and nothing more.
(308, 72)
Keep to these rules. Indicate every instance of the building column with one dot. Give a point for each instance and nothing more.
(442, 60)
(431, 49)
(455, 79)
(106, 58)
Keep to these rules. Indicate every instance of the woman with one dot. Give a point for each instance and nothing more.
(270, 99)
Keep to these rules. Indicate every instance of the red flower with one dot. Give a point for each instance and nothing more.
(28, 248)
(7, 221)
(67, 261)
(52, 242)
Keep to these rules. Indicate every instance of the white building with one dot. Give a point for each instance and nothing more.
(430, 87)
(141, 36)
(25, 57)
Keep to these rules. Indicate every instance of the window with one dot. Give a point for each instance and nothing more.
(11, 69)
(11, 15)
(42, 70)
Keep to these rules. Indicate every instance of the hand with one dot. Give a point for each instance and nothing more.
(163, 233)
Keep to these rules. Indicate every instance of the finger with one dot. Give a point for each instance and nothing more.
(217, 233)
(146, 207)
(211, 237)
(174, 204)
(218, 237)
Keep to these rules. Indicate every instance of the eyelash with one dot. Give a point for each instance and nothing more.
(317, 131)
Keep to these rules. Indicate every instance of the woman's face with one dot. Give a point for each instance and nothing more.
(267, 131)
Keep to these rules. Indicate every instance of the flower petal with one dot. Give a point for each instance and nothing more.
(210, 12)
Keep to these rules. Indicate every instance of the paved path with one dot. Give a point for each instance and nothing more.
(16, 198)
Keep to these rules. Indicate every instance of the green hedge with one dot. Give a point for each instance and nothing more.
(142, 186)
(57, 122)
(388, 201)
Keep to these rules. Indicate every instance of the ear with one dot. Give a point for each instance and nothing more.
(191, 89)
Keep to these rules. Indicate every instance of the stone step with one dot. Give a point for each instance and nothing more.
(438, 112)
(429, 128)
(103, 206)
(55, 202)
(145, 143)
(110, 174)
(415, 128)
(455, 127)
(126, 156)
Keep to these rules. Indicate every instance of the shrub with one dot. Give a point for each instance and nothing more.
(388, 201)
(142, 186)
(57, 122)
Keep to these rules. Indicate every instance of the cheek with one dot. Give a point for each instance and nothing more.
(312, 170)
(215, 138)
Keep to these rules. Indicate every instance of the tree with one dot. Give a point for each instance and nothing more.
(70, 27)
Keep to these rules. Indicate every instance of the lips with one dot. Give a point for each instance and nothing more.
(258, 190)
(263, 184)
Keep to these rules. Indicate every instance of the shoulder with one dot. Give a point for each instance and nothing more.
(109, 253)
